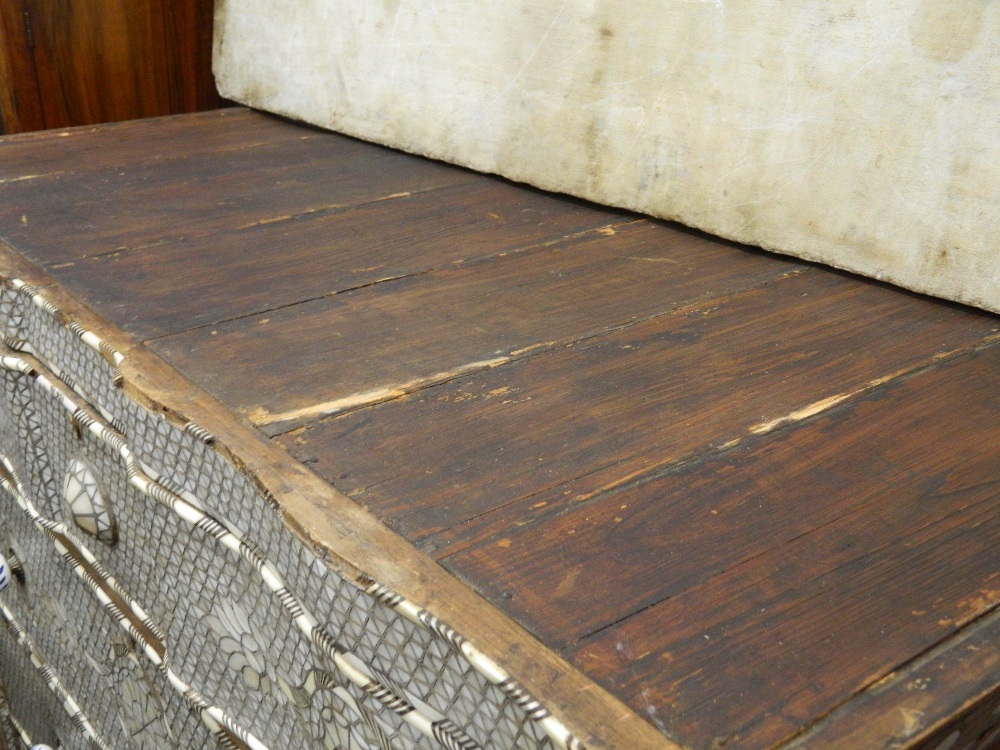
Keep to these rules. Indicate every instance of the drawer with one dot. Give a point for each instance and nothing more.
(90, 657)
(27, 704)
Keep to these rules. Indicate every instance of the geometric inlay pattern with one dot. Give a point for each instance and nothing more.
(88, 506)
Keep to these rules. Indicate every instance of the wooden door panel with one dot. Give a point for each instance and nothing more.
(98, 61)
(20, 103)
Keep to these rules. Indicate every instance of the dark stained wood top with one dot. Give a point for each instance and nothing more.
(746, 495)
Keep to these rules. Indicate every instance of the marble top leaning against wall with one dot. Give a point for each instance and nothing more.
(864, 135)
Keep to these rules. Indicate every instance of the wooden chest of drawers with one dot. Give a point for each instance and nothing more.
(309, 443)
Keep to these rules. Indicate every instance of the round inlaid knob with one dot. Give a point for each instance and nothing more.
(41, 747)
(10, 566)
(88, 504)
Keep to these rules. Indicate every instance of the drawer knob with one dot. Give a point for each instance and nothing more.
(88, 504)
(10, 567)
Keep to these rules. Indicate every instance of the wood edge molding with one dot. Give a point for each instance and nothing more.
(918, 699)
(345, 535)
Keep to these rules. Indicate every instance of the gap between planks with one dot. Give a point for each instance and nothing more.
(318, 212)
(281, 423)
(605, 229)
(801, 414)
(711, 451)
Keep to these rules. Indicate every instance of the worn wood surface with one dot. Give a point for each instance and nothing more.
(817, 562)
(956, 678)
(356, 349)
(293, 214)
(525, 440)
(744, 494)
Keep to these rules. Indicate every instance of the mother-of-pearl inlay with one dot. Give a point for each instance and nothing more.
(87, 503)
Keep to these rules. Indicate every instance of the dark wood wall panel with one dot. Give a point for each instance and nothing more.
(80, 62)
(20, 99)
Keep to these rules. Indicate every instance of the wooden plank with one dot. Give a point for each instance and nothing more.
(71, 216)
(381, 341)
(866, 537)
(529, 438)
(632, 537)
(204, 280)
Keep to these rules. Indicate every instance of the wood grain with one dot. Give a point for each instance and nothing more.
(631, 537)
(158, 199)
(20, 102)
(280, 230)
(50, 153)
(272, 264)
(518, 443)
(381, 341)
(861, 540)
(107, 60)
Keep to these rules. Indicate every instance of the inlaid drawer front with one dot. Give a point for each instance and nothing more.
(76, 640)
(9, 736)
(424, 665)
(30, 324)
(168, 583)
(29, 710)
